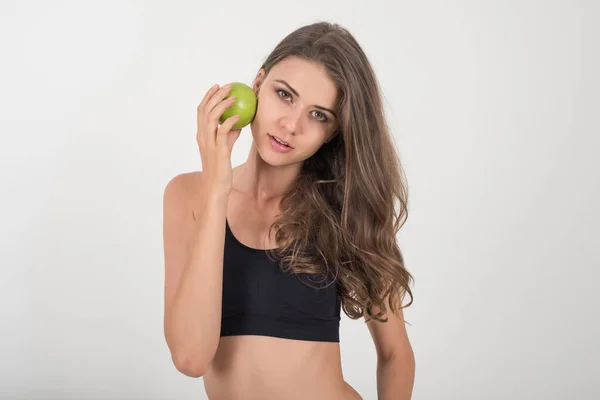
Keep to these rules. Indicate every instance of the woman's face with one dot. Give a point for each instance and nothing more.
(296, 103)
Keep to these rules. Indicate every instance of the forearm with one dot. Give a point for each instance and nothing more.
(395, 377)
(195, 320)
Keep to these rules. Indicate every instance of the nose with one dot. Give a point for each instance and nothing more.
(291, 121)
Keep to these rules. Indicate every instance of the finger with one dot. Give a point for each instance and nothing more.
(216, 113)
(232, 136)
(225, 128)
(207, 96)
(227, 125)
(217, 97)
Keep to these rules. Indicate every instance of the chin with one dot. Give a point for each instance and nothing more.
(273, 158)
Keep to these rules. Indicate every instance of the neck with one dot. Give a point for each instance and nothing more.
(262, 181)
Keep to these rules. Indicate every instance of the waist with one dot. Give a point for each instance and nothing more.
(318, 390)
(274, 368)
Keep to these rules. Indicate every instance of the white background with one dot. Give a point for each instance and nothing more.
(494, 107)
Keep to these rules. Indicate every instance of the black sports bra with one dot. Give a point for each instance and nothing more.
(260, 299)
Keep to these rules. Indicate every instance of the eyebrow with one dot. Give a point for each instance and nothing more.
(297, 95)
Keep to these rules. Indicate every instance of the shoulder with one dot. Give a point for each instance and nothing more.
(186, 183)
(183, 187)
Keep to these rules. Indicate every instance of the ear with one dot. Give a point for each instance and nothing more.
(258, 81)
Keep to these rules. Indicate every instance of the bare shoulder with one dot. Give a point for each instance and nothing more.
(181, 189)
(181, 194)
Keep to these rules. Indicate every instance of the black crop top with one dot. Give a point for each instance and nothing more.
(260, 299)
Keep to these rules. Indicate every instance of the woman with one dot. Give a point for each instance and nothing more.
(259, 259)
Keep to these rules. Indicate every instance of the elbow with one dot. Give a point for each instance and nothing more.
(190, 366)
(191, 359)
(406, 359)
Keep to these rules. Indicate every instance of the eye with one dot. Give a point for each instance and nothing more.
(279, 91)
(324, 117)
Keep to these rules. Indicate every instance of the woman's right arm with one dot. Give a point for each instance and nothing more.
(193, 249)
(194, 239)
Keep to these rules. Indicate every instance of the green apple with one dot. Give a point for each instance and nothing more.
(244, 105)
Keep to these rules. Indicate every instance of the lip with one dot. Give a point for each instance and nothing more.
(277, 146)
(280, 139)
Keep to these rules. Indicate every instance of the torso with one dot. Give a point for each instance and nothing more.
(262, 367)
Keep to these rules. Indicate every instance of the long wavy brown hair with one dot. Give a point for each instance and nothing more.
(340, 217)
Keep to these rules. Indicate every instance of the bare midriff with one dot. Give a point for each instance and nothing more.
(264, 368)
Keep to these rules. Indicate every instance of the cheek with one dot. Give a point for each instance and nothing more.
(310, 145)
(261, 114)
(268, 107)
